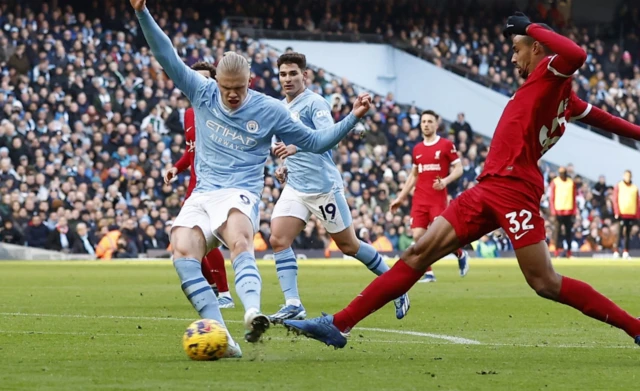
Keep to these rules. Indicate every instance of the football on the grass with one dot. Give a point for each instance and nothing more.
(205, 339)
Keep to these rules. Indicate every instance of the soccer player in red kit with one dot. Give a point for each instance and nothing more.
(507, 196)
(432, 159)
(213, 263)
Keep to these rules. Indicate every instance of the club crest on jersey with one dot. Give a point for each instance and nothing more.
(252, 126)
(437, 155)
(295, 115)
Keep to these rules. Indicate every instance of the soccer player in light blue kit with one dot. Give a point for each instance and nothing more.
(313, 186)
(234, 128)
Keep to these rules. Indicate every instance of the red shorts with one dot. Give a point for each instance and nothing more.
(498, 202)
(423, 215)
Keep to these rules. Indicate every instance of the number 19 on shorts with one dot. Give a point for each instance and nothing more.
(329, 209)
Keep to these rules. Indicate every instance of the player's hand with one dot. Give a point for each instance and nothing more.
(170, 174)
(516, 25)
(281, 174)
(439, 184)
(284, 151)
(395, 205)
(362, 105)
(138, 5)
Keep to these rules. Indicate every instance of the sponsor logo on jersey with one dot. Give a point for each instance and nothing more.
(191, 145)
(230, 138)
(428, 167)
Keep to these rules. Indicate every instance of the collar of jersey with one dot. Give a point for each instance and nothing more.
(289, 104)
(433, 143)
(228, 110)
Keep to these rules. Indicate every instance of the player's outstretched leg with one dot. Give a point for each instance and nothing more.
(439, 241)
(463, 261)
(193, 283)
(535, 263)
(349, 244)
(238, 234)
(214, 271)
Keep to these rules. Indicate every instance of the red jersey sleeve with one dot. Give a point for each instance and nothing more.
(452, 153)
(189, 126)
(593, 116)
(569, 56)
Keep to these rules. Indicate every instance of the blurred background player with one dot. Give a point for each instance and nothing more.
(562, 202)
(508, 195)
(626, 200)
(435, 165)
(236, 126)
(322, 196)
(213, 263)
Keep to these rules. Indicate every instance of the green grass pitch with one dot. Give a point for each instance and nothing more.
(118, 325)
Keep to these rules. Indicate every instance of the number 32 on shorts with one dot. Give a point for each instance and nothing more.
(519, 223)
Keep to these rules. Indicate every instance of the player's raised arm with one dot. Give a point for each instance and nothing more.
(569, 56)
(186, 79)
(318, 141)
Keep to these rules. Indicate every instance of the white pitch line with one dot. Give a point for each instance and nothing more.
(452, 339)
(456, 340)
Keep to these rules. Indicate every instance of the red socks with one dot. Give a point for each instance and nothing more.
(214, 271)
(389, 286)
(584, 298)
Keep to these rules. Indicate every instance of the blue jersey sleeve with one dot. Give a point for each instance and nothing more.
(317, 141)
(186, 79)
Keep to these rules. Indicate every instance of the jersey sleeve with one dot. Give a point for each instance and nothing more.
(317, 141)
(189, 125)
(413, 157)
(569, 56)
(321, 114)
(452, 153)
(593, 116)
(579, 108)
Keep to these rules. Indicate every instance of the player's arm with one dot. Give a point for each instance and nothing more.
(590, 115)
(569, 56)
(454, 174)
(318, 141)
(186, 79)
(408, 185)
(189, 123)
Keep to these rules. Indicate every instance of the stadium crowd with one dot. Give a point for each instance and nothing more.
(89, 125)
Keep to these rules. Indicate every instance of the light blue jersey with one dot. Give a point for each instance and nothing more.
(313, 111)
(232, 146)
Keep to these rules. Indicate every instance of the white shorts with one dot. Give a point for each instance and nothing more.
(330, 208)
(210, 211)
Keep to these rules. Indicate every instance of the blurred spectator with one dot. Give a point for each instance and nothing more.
(10, 234)
(36, 233)
(60, 239)
(83, 243)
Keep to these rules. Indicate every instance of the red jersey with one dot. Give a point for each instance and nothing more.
(535, 117)
(432, 161)
(187, 159)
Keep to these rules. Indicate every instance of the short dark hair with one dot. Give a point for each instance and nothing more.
(430, 112)
(205, 66)
(293, 58)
